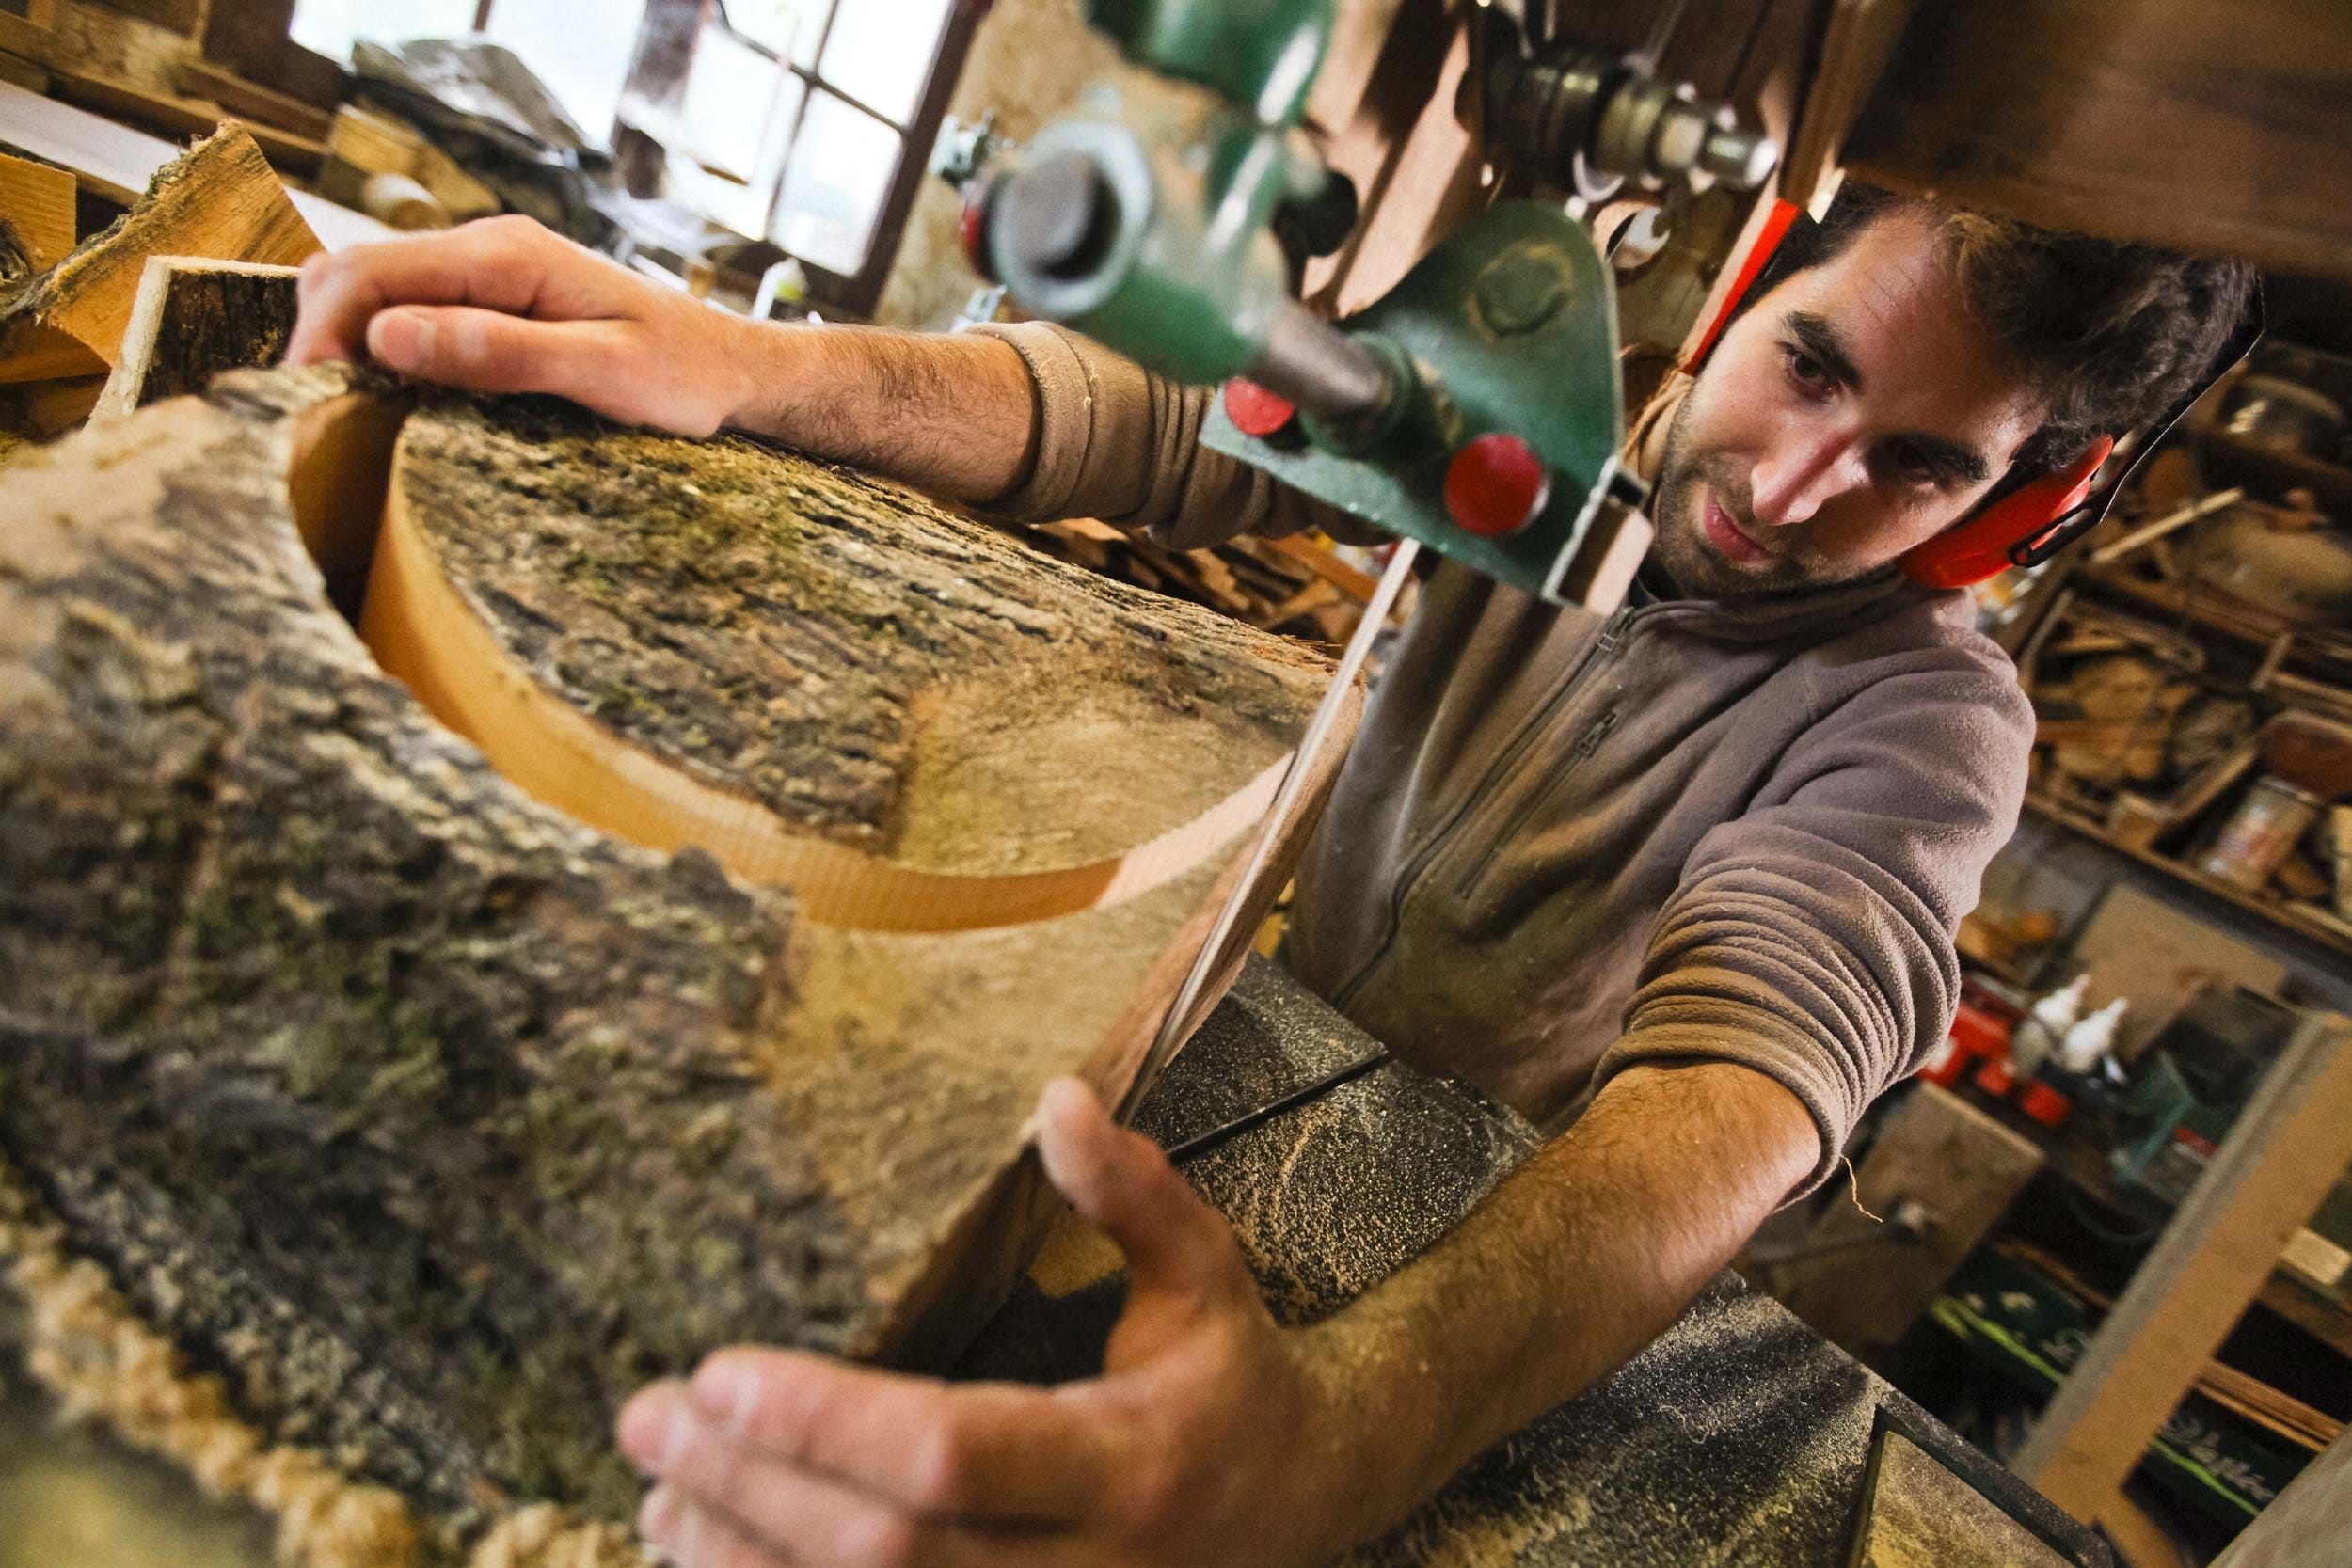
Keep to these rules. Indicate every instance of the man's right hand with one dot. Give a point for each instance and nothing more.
(504, 305)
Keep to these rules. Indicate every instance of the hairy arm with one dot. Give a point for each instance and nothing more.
(1574, 1263)
(1213, 1435)
(506, 305)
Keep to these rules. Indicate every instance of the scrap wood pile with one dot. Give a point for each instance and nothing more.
(198, 277)
(2192, 676)
(1293, 586)
(378, 1109)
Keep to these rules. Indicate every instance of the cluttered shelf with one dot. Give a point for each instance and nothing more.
(2334, 935)
(2322, 1319)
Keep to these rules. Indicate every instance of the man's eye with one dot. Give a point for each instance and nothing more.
(1913, 463)
(1805, 370)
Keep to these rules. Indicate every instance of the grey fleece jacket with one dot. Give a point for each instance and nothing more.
(1740, 829)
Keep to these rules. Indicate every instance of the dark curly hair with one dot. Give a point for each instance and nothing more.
(2113, 333)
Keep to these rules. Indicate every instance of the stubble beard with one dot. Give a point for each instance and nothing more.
(1682, 550)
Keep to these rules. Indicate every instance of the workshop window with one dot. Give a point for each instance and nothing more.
(805, 123)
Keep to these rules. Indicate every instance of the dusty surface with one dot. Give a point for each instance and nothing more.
(1924, 1517)
(863, 663)
(1739, 1437)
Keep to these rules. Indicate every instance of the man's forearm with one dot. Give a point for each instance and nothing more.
(1574, 1263)
(950, 413)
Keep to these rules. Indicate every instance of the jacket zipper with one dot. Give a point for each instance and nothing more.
(1610, 633)
(1585, 746)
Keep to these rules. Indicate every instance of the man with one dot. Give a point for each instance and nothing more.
(1692, 869)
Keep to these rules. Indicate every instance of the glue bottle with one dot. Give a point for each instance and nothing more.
(2089, 1040)
(2046, 1026)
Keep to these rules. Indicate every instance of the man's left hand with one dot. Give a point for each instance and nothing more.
(1213, 1435)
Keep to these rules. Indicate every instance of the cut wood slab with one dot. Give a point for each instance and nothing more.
(220, 199)
(436, 1120)
(36, 216)
(193, 318)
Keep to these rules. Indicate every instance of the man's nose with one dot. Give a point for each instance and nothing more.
(1802, 470)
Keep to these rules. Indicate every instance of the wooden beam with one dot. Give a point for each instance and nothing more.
(251, 101)
(2290, 1145)
(2206, 128)
(185, 116)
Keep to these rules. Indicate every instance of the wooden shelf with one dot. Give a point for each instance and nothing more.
(2270, 909)
(2324, 649)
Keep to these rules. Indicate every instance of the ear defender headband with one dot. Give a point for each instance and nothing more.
(2023, 527)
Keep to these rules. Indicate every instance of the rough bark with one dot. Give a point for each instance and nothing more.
(431, 1119)
(193, 318)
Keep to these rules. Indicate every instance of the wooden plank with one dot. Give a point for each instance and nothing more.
(116, 162)
(17, 71)
(185, 116)
(193, 318)
(51, 407)
(220, 200)
(2205, 128)
(2290, 1145)
(180, 16)
(253, 102)
(1937, 1150)
(37, 206)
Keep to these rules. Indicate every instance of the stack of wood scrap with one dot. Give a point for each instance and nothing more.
(63, 329)
(1293, 586)
(388, 169)
(423, 1098)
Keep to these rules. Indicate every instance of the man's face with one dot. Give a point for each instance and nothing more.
(1850, 414)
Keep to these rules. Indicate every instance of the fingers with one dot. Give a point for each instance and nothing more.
(982, 1452)
(1175, 1244)
(486, 351)
(509, 264)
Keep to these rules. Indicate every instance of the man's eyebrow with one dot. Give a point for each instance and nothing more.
(1820, 341)
(1965, 464)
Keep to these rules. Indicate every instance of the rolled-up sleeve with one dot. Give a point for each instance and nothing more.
(1118, 443)
(1811, 938)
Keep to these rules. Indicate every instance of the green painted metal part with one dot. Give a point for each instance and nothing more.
(1261, 53)
(1513, 322)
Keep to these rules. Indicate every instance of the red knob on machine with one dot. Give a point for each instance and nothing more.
(972, 226)
(1255, 411)
(1496, 484)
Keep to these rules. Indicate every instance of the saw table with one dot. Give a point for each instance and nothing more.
(1739, 1436)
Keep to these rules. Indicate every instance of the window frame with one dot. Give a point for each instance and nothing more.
(853, 294)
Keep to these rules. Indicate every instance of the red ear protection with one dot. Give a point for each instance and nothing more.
(2032, 521)
(1985, 545)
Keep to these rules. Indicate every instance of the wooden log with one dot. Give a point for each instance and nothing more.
(438, 1121)
(193, 318)
(218, 200)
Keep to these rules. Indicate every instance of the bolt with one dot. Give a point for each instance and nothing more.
(1496, 485)
(1741, 159)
